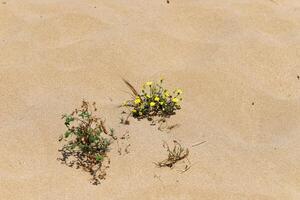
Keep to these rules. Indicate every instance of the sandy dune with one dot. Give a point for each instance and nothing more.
(236, 60)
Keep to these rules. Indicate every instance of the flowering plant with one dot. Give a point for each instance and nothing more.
(154, 100)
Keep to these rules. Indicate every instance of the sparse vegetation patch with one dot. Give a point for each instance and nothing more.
(87, 141)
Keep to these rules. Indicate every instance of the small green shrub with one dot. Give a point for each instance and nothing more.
(87, 141)
(153, 100)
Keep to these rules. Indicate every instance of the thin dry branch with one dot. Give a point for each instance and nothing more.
(199, 143)
(131, 87)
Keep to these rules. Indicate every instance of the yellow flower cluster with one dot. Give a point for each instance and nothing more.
(149, 83)
(154, 99)
(175, 100)
(137, 100)
(152, 104)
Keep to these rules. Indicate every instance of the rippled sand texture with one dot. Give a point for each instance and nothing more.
(236, 60)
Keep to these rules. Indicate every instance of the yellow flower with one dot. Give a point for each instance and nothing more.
(152, 104)
(148, 96)
(167, 94)
(175, 100)
(149, 83)
(161, 103)
(179, 91)
(156, 99)
(137, 101)
(134, 111)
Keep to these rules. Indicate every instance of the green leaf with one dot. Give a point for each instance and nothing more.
(67, 134)
(92, 138)
(99, 157)
(68, 120)
(84, 114)
(112, 131)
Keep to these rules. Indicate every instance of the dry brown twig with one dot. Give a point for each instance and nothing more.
(125, 121)
(164, 126)
(174, 155)
(173, 126)
(119, 148)
(159, 178)
(167, 128)
(127, 149)
(131, 87)
(121, 144)
(187, 166)
(199, 143)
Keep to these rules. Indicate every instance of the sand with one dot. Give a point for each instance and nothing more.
(237, 62)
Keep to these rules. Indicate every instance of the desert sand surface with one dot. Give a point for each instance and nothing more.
(237, 62)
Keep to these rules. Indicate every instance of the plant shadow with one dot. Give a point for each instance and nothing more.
(79, 160)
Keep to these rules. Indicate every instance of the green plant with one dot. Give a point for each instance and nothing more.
(87, 141)
(154, 100)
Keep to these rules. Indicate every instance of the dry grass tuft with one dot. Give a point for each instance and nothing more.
(174, 155)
